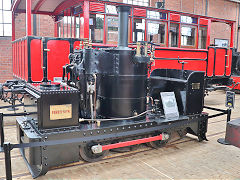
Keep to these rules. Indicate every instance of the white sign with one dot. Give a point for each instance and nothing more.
(169, 105)
(221, 42)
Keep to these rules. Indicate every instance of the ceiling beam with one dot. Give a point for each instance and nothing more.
(237, 1)
(15, 5)
(65, 4)
(38, 5)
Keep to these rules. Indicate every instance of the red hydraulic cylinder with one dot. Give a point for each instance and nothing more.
(130, 143)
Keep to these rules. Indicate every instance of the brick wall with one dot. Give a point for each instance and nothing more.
(45, 26)
(5, 58)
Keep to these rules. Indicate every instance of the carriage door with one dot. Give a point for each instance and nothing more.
(58, 50)
(219, 57)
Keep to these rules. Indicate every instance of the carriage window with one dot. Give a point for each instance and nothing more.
(110, 9)
(65, 25)
(67, 20)
(77, 29)
(202, 38)
(187, 19)
(173, 35)
(137, 2)
(60, 25)
(59, 28)
(156, 15)
(138, 30)
(96, 22)
(156, 32)
(112, 29)
(188, 36)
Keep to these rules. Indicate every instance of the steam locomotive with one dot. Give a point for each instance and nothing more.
(109, 101)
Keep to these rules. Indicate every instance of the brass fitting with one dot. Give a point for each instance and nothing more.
(146, 49)
(138, 51)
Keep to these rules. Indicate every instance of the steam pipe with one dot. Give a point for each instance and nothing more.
(123, 13)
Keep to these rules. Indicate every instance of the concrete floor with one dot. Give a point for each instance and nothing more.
(184, 159)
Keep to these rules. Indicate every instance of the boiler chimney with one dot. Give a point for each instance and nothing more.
(123, 13)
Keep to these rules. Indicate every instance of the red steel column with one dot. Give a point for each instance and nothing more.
(167, 30)
(13, 26)
(86, 19)
(208, 33)
(179, 36)
(232, 35)
(28, 18)
(13, 44)
(104, 30)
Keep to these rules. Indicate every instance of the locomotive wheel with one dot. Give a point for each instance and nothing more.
(173, 136)
(86, 153)
(158, 144)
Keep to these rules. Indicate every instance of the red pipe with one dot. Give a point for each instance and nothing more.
(130, 143)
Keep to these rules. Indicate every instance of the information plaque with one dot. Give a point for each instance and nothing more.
(169, 105)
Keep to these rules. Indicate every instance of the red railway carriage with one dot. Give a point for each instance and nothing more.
(179, 38)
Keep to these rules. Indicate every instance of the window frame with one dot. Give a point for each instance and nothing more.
(145, 28)
(195, 26)
(199, 27)
(104, 26)
(5, 23)
(179, 36)
(166, 30)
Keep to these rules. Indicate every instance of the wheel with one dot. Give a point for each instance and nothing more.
(158, 144)
(86, 153)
